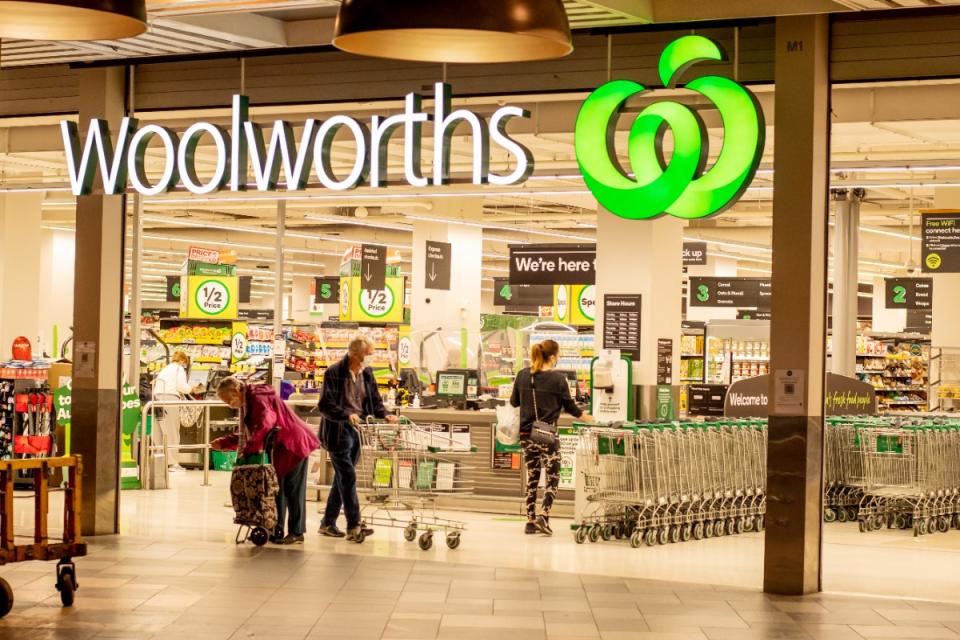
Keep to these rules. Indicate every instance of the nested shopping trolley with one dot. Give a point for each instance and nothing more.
(404, 468)
(671, 482)
(911, 477)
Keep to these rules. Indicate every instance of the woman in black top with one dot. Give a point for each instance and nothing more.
(552, 397)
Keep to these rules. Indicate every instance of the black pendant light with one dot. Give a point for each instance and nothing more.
(72, 19)
(460, 31)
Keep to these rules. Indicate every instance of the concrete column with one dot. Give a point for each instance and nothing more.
(798, 328)
(458, 309)
(644, 257)
(21, 253)
(97, 321)
(846, 251)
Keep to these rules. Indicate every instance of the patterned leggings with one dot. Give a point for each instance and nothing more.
(536, 457)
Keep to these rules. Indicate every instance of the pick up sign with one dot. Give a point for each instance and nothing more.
(553, 264)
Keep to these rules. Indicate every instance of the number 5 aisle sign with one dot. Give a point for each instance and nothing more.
(210, 298)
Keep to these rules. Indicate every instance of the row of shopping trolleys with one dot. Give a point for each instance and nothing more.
(896, 472)
(667, 482)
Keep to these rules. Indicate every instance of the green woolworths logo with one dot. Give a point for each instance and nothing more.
(680, 186)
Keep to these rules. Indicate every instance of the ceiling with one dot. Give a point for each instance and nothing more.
(199, 27)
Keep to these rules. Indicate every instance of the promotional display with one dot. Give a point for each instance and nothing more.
(941, 242)
(358, 304)
(575, 305)
(553, 264)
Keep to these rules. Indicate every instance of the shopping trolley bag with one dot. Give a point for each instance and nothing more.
(253, 491)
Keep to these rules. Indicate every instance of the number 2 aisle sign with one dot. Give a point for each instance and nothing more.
(211, 297)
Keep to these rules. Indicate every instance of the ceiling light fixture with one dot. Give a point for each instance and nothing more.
(72, 19)
(468, 31)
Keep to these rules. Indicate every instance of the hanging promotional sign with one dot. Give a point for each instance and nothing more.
(358, 304)
(553, 264)
(123, 160)
(941, 242)
(680, 187)
(210, 298)
(694, 254)
(575, 305)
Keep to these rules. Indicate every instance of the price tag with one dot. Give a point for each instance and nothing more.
(212, 297)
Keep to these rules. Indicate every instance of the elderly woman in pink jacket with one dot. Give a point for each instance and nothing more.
(262, 411)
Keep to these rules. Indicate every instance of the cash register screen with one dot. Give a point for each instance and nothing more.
(451, 385)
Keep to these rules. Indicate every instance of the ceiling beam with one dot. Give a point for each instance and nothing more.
(693, 10)
(246, 29)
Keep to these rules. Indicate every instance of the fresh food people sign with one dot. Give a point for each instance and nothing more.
(123, 160)
(680, 187)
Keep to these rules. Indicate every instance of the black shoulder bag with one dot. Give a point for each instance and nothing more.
(541, 433)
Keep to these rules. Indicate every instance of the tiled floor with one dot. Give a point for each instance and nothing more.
(175, 573)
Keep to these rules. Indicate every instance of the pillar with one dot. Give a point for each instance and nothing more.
(644, 257)
(792, 554)
(97, 321)
(846, 252)
(21, 252)
(456, 311)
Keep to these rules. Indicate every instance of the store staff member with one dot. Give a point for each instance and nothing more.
(172, 385)
(349, 396)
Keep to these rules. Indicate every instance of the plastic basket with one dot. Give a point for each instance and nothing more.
(223, 460)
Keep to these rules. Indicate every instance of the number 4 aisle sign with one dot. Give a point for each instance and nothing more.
(211, 298)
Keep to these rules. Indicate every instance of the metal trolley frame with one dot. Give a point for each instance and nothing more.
(70, 545)
(403, 469)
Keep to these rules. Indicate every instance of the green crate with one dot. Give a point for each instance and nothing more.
(223, 460)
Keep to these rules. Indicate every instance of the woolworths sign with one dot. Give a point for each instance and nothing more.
(246, 145)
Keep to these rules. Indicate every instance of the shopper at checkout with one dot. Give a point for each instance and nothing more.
(349, 396)
(262, 411)
(542, 395)
(171, 385)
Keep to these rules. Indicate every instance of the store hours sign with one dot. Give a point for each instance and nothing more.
(121, 160)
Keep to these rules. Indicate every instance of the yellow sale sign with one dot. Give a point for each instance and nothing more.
(373, 307)
(210, 297)
(575, 304)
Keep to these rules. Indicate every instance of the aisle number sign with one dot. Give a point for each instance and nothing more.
(373, 307)
(575, 305)
(210, 297)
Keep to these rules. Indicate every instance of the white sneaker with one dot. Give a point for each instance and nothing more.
(176, 468)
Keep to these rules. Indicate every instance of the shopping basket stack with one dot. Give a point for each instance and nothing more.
(657, 483)
(403, 470)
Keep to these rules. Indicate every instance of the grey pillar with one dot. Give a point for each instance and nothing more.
(798, 327)
(136, 291)
(97, 321)
(846, 249)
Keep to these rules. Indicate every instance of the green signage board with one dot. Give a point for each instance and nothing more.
(681, 187)
(129, 424)
(664, 402)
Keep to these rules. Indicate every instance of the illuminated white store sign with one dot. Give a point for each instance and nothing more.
(245, 145)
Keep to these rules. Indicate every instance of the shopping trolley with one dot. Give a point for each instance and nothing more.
(403, 470)
(663, 483)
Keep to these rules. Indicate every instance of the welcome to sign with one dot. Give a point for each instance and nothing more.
(123, 161)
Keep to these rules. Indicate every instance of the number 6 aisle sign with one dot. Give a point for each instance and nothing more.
(210, 298)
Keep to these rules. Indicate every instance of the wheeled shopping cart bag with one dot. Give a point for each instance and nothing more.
(253, 490)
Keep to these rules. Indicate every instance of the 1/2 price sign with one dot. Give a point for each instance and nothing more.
(210, 297)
